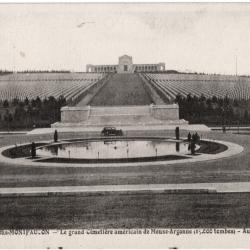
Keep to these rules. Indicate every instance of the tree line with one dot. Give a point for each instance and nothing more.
(213, 110)
(6, 72)
(30, 113)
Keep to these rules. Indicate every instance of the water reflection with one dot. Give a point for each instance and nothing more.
(111, 149)
(177, 147)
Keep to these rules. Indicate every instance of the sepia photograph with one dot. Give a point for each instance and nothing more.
(124, 121)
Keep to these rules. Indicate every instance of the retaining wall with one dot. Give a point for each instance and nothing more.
(74, 114)
(82, 114)
(165, 112)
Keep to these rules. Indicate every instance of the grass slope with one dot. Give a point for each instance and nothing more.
(122, 89)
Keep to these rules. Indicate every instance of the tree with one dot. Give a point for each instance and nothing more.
(5, 104)
(178, 98)
(15, 101)
(202, 98)
(177, 133)
(192, 147)
(8, 118)
(33, 150)
(38, 102)
(21, 104)
(55, 136)
(26, 101)
(235, 103)
(19, 113)
(226, 100)
(62, 101)
(33, 103)
(245, 116)
(214, 99)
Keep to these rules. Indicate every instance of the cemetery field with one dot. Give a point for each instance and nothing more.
(233, 87)
(43, 85)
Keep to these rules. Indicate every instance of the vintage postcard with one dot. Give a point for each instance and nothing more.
(124, 125)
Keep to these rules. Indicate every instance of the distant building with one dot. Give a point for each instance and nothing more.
(125, 65)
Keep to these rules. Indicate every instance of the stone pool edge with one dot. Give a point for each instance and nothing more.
(233, 149)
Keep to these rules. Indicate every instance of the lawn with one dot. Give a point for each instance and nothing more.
(122, 89)
(127, 210)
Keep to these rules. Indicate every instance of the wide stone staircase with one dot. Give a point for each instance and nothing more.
(120, 115)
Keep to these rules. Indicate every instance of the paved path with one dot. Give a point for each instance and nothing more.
(13, 132)
(81, 128)
(227, 187)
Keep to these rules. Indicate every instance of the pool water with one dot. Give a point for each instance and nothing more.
(114, 149)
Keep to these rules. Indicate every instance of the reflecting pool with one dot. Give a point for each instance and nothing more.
(114, 149)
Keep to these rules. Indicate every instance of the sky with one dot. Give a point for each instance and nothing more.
(187, 37)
